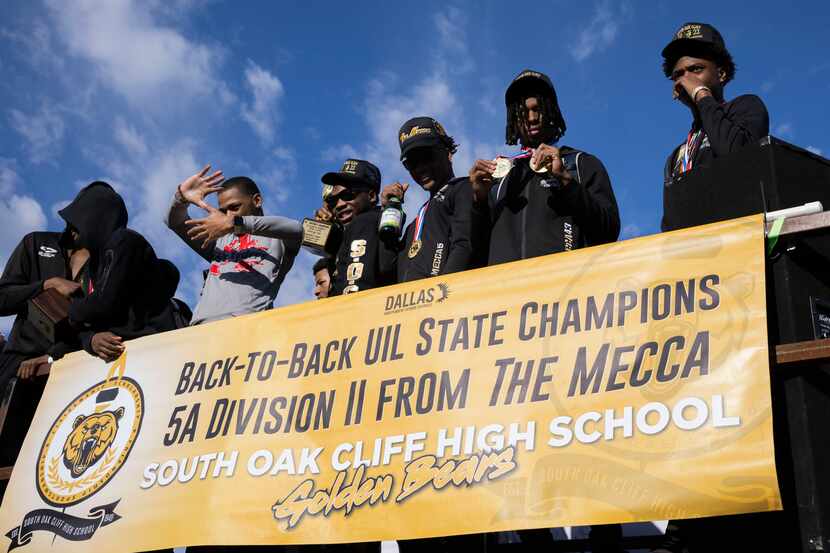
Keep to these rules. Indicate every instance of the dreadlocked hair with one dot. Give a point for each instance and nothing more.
(449, 143)
(552, 120)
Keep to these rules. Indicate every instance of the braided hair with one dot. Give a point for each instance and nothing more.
(552, 121)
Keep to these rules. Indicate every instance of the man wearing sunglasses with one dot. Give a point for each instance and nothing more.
(363, 261)
(438, 240)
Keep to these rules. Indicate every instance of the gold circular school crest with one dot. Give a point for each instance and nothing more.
(89, 441)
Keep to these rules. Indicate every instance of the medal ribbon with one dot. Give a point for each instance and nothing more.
(691, 145)
(419, 221)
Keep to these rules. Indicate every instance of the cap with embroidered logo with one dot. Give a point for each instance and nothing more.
(421, 132)
(699, 40)
(355, 173)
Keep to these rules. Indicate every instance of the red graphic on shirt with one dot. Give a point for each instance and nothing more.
(242, 252)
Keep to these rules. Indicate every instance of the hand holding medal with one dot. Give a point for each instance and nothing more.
(481, 178)
(547, 159)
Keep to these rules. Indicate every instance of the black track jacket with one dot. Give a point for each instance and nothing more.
(529, 214)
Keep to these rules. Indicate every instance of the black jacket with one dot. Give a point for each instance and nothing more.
(133, 288)
(727, 127)
(37, 258)
(363, 261)
(445, 237)
(529, 214)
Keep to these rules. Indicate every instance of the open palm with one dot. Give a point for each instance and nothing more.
(197, 187)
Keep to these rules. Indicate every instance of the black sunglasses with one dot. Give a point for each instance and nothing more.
(346, 195)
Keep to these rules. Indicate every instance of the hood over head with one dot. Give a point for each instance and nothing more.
(96, 213)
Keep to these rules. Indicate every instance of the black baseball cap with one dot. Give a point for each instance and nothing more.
(526, 79)
(698, 40)
(421, 132)
(355, 173)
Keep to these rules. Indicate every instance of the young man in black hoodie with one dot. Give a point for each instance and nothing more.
(438, 241)
(363, 261)
(700, 66)
(41, 261)
(546, 199)
(133, 288)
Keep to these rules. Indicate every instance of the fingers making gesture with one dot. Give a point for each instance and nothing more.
(211, 228)
(194, 189)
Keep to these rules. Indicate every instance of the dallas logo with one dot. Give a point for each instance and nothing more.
(85, 447)
(414, 300)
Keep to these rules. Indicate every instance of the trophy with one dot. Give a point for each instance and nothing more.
(49, 313)
(322, 237)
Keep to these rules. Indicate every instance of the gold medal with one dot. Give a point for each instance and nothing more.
(503, 166)
(414, 248)
(538, 168)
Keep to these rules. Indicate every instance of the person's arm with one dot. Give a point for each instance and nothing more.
(590, 199)
(745, 123)
(286, 229)
(193, 190)
(16, 286)
(113, 290)
(461, 244)
(217, 224)
(176, 217)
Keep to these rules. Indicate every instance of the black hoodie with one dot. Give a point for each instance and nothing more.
(132, 287)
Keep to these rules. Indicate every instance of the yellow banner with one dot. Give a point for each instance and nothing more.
(621, 383)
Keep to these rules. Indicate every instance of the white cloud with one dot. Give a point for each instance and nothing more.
(42, 132)
(262, 114)
(149, 202)
(57, 206)
(600, 32)
(9, 179)
(339, 153)
(390, 102)
(134, 54)
(274, 179)
(817, 151)
(36, 44)
(453, 55)
(127, 135)
(20, 215)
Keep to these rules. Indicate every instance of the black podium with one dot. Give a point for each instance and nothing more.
(770, 176)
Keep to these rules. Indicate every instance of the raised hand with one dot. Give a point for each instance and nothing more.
(324, 213)
(396, 189)
(194, 189)
(210, 228)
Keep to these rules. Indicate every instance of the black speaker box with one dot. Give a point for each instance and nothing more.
(772, 175)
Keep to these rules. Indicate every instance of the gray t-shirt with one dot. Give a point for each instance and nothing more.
(245, 271)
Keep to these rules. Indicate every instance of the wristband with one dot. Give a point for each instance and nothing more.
(698, 89)
(238, 225)
(179, 197)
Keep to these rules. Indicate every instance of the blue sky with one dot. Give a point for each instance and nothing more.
(142, 94)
